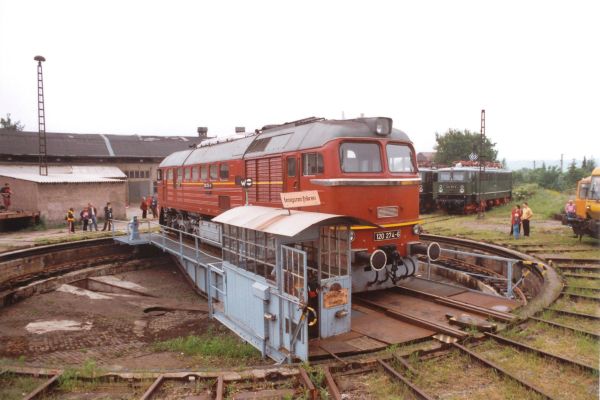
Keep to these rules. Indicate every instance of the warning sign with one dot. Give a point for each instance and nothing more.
(300, 199)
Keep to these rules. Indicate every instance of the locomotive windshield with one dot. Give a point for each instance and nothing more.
(399, 158)
(448, 176)
(360, 157)
(595, 188)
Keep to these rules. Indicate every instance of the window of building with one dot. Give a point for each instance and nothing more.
(312, 164)
(399, 158)
(224, 172)
(360, 157)
(159, 175)
(214, 172)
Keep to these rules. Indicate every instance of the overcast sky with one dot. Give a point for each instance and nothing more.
(167, 67)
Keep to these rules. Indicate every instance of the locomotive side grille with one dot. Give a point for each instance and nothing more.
(387, 212)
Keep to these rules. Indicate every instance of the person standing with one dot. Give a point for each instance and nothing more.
(515, 220)
(144, 208)
(93, 220)
(71, 220)
(525, 218)
(154, 206)
(85, 218)
(107, 217)
(570, 209)
(6, 193)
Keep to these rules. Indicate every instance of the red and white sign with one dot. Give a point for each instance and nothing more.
(300, 199)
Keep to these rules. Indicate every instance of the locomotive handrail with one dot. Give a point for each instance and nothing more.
(509, 268)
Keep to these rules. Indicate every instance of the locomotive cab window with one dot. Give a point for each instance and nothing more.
(224, 172)
(399, 158)
(179, 174)
(195, 173)
(188, 174)
(204, 172)
(312, 164)
(170, 175)
(360, 157)
(214, 172)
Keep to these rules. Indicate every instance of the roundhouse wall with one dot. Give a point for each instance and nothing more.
(55, 199)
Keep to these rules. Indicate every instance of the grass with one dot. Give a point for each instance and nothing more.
(221, 346)
(15, 386)
(574, 322)
(558, 380)
(456, 375)
(589, 307)
(559, 341)
(495, 226)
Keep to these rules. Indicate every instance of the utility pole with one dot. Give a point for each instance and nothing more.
(480, 214)
(561, 162)
(43, 158)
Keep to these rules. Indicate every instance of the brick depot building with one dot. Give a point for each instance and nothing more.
(137, 156)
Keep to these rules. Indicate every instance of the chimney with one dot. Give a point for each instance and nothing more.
(240, 129)
(203, 132)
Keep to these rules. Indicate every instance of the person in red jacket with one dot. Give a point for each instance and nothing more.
(144, 207)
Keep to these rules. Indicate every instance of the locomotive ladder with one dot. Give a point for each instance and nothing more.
(43, 159)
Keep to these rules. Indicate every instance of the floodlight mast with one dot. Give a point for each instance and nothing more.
(43, 154)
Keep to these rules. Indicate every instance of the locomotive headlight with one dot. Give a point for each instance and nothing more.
(383, 126)
(461, 189)
(416, 229)
(441, 189)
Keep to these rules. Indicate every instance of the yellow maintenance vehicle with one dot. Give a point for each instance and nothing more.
(587, 203)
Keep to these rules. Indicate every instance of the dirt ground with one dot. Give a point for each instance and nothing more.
(116, 330)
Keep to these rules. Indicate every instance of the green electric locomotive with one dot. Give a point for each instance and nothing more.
(461, 189)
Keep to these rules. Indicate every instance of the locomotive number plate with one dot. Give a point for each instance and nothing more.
(386, 235)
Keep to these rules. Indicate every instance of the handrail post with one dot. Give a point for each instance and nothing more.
(209, 289)
(180, 244)
(509, 273)
(196, 248)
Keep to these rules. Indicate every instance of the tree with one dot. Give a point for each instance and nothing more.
(456, 145)
(8, 124)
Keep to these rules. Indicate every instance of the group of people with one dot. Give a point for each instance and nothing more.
(520, 217)
(89, 218)
(149, 203)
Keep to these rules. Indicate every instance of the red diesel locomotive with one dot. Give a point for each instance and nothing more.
(360, 167)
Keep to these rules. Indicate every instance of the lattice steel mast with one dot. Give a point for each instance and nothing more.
(43, 158)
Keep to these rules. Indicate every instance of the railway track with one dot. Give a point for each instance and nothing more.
(517, 361)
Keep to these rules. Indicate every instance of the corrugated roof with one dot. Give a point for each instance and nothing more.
(64, 174)
(93, 145)
(279, 221)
